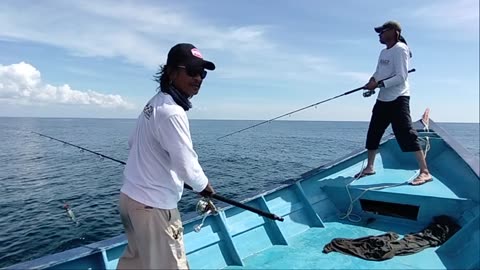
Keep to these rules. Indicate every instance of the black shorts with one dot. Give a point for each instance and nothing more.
(397, 113)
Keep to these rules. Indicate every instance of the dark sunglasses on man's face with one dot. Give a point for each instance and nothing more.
(195, 71)
(384, 30)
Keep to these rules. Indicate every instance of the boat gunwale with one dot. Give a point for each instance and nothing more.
(469, 158)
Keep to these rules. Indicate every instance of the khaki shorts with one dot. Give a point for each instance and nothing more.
(155, 237)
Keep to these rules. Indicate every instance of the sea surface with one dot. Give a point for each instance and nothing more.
(39, 175)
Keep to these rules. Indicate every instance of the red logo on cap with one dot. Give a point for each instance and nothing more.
(197, 53)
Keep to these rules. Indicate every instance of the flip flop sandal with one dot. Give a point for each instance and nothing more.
(363, 174)
(421, 182)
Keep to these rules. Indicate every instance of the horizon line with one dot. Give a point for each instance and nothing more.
(203, 119)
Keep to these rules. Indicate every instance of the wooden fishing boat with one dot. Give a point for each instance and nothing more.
(328, 203)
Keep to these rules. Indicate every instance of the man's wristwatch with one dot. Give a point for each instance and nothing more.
(381, 84)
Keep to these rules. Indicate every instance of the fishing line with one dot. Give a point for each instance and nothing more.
(214, 196)
(309, 106)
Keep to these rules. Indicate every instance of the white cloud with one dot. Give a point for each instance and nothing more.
(458, 15)
(142, 33)
(445, 19)
(136, 31)
(22, 84)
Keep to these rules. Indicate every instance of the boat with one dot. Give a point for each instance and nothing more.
(328, 203)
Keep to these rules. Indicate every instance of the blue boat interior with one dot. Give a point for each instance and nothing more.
(315, 211)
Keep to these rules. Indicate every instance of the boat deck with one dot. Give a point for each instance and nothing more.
(390, 177)
(305, 250)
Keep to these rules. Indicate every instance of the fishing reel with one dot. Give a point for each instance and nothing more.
(368, 93)
(205, 207)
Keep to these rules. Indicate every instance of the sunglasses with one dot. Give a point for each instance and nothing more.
(384, 30)
(195, 71)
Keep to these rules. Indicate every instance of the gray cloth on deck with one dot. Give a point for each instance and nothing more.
(386, 246)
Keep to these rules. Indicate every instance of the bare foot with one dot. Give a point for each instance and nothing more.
(367, 171)
(422, 178)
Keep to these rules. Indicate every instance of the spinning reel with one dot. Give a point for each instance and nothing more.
(205, 207)
(368, 93)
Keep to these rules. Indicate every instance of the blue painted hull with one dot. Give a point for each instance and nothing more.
(313, 208)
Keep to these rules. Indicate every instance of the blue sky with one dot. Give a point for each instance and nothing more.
(97, 58)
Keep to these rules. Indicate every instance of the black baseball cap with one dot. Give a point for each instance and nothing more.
(188, 55)
(389, 25)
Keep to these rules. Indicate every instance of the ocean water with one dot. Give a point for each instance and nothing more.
(39, 175)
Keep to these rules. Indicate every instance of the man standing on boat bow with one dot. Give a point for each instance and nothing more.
(393, 101)
(160, 160)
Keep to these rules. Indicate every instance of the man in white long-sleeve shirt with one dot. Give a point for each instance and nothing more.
(161, 159)
(393, 101)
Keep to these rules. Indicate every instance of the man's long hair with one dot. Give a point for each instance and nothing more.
(402, 39)
(161, 77)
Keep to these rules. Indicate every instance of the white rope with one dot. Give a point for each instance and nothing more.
(427, 142)
(427, 145)
(348, 214)
(356, 218)
(426, 129)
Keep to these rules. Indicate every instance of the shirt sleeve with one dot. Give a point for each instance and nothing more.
(175, 137)
(400, 65)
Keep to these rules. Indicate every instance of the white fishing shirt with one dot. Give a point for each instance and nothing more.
(161, 156)
(393, 62)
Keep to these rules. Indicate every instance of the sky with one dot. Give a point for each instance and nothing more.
(96, 59)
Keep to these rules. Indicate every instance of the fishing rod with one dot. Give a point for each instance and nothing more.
(306, 107)
(214, 196)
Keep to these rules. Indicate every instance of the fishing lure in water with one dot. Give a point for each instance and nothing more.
(70, 213)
